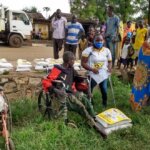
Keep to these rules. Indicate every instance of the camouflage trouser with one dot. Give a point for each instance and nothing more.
(77, 103)
(80, 104)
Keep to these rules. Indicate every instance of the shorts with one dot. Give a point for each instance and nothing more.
(129, 61)
(123, 61)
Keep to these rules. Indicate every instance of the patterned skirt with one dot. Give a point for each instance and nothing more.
(140, 95)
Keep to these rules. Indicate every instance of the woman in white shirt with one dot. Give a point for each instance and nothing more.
(98, 61)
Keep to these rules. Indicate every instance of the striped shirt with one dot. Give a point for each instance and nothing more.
(73, 31)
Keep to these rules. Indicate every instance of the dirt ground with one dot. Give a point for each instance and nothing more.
(26, 52)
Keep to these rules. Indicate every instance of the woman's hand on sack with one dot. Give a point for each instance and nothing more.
(94, 70)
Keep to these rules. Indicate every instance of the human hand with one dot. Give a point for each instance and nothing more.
(109, 69)
(113, 40)
(94, 70)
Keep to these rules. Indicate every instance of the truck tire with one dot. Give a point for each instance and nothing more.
(15, 40)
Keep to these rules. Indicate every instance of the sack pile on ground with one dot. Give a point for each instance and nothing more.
(111, 120)
(23, 65)
(47, 64)
(5, 66)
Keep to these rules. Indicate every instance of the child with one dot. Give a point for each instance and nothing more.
(129, 56)
(91, 36)
(124, 53)
(82, 45)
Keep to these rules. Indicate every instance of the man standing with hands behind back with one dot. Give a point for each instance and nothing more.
(112, 28)
(58, 25)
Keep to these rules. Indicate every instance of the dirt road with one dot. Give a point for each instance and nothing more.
(26, 52)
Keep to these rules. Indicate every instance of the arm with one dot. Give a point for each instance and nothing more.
(66, 29)
(84, 63)
(82, 31)
(146, 35)
(54, 24)
(55, 73)
(84, 60)
(110, 66)
(117, 22)
(109, 57)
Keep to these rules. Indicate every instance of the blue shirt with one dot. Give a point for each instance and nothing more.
(73, 31)
(112, 24)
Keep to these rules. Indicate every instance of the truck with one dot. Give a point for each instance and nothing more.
(15, 27)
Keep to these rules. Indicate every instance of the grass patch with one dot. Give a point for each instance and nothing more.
(32, 132)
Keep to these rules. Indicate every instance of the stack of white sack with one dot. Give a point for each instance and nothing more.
(112, 120)
(5, 66)
(41, 64)
(77, 65)
(23, 65)
(46, 64)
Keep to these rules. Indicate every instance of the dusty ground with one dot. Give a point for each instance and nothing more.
(27, 52)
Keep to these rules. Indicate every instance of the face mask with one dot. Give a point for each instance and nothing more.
(98, 44)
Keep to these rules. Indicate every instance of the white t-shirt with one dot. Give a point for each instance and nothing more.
(98, 59)
(124, 52)
(58, 26)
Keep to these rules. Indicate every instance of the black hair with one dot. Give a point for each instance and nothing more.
(129, 21)
(111, 7)
(67, 56)
(98, 35)
(58, 10)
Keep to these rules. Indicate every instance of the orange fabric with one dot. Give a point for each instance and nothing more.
(53, 75)
(82, 86)
(126, 30)
(74, 87)
(46, 83)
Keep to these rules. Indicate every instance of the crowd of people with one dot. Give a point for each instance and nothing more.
(72, 35)
(97, 51)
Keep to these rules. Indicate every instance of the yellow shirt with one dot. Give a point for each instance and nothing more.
(140, 38)
(83, 44)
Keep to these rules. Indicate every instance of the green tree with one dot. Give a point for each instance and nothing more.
(125, 9)
(144, 8)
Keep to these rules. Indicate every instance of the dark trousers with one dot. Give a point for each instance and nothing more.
(71, 48)
(112, 46)
(57, 44)
(129, 62)
(103, 88)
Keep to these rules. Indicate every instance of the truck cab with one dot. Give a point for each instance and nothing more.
(17, 27)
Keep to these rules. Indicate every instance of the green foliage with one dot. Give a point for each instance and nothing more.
(32, 132)
(97, 8)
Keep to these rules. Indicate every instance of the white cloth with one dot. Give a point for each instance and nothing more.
(6, 65)
(58, 26)
(124, 52)
(2, 103)
(99, 60)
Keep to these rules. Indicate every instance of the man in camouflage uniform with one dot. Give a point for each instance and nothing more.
(69, 98)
